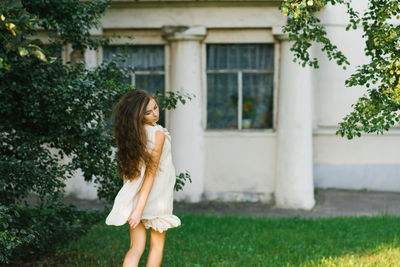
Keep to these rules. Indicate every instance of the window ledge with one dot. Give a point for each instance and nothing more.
(237, 133)
(331, 130)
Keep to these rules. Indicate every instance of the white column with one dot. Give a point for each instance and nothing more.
(91, 58)
(294, 173)
(185, 122)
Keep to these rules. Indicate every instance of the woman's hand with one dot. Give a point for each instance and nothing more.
(134, 218)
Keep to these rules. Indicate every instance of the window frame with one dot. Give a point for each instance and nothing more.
(256, 40)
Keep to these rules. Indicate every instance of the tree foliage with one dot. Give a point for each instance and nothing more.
(46, 104)
(377, 110)
(55, 118)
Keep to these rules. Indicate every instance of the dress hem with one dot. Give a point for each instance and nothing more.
(161, 223)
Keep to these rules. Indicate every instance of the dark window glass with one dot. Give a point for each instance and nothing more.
(240, 75)
(240, 56)
(222, 101)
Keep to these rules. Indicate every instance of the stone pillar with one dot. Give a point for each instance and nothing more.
(294, 173)
(185, 122)
(91, 58)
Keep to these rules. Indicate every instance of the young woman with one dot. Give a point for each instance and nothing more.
(145, 164)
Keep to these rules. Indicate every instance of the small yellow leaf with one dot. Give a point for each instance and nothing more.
(2, 17)
(11, 26)
(22, 51)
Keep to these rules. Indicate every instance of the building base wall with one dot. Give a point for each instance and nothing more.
(376, 177)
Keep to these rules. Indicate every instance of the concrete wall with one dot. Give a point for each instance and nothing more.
(238, 166)
(371, 162)
(242, 165)
(220, 15)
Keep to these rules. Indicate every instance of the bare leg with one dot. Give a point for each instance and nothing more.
(138, 243)
(156, 248)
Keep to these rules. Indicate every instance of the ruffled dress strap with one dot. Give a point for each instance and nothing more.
(151, 134)
(164, 130)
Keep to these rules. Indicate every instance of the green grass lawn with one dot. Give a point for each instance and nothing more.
(244, 241)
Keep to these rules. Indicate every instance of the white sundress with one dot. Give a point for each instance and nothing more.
(157, 212)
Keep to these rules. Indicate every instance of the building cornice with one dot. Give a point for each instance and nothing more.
(176, 33)
(192, 3)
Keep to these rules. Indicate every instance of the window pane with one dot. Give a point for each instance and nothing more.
(240, 56)
(257, 100)
(152, 83)
(53, 49)
(222, 97)
(56, 51)
(110, 51)
(149, 57)
(141, 57)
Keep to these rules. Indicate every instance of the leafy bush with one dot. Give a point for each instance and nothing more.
(26, 230)
(49, 111)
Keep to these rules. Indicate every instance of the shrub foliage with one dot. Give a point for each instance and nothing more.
(55, 118)
(377, 110)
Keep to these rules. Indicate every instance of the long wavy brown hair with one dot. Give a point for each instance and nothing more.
(130, 134)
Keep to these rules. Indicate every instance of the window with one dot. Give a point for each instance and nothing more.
(53, 49)
(149, 67)
(240, 80)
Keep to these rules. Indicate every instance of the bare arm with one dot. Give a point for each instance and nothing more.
(144, 192)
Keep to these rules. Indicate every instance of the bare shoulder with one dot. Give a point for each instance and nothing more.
(160, 137)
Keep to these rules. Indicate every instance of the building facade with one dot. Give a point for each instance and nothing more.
(260, 128)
